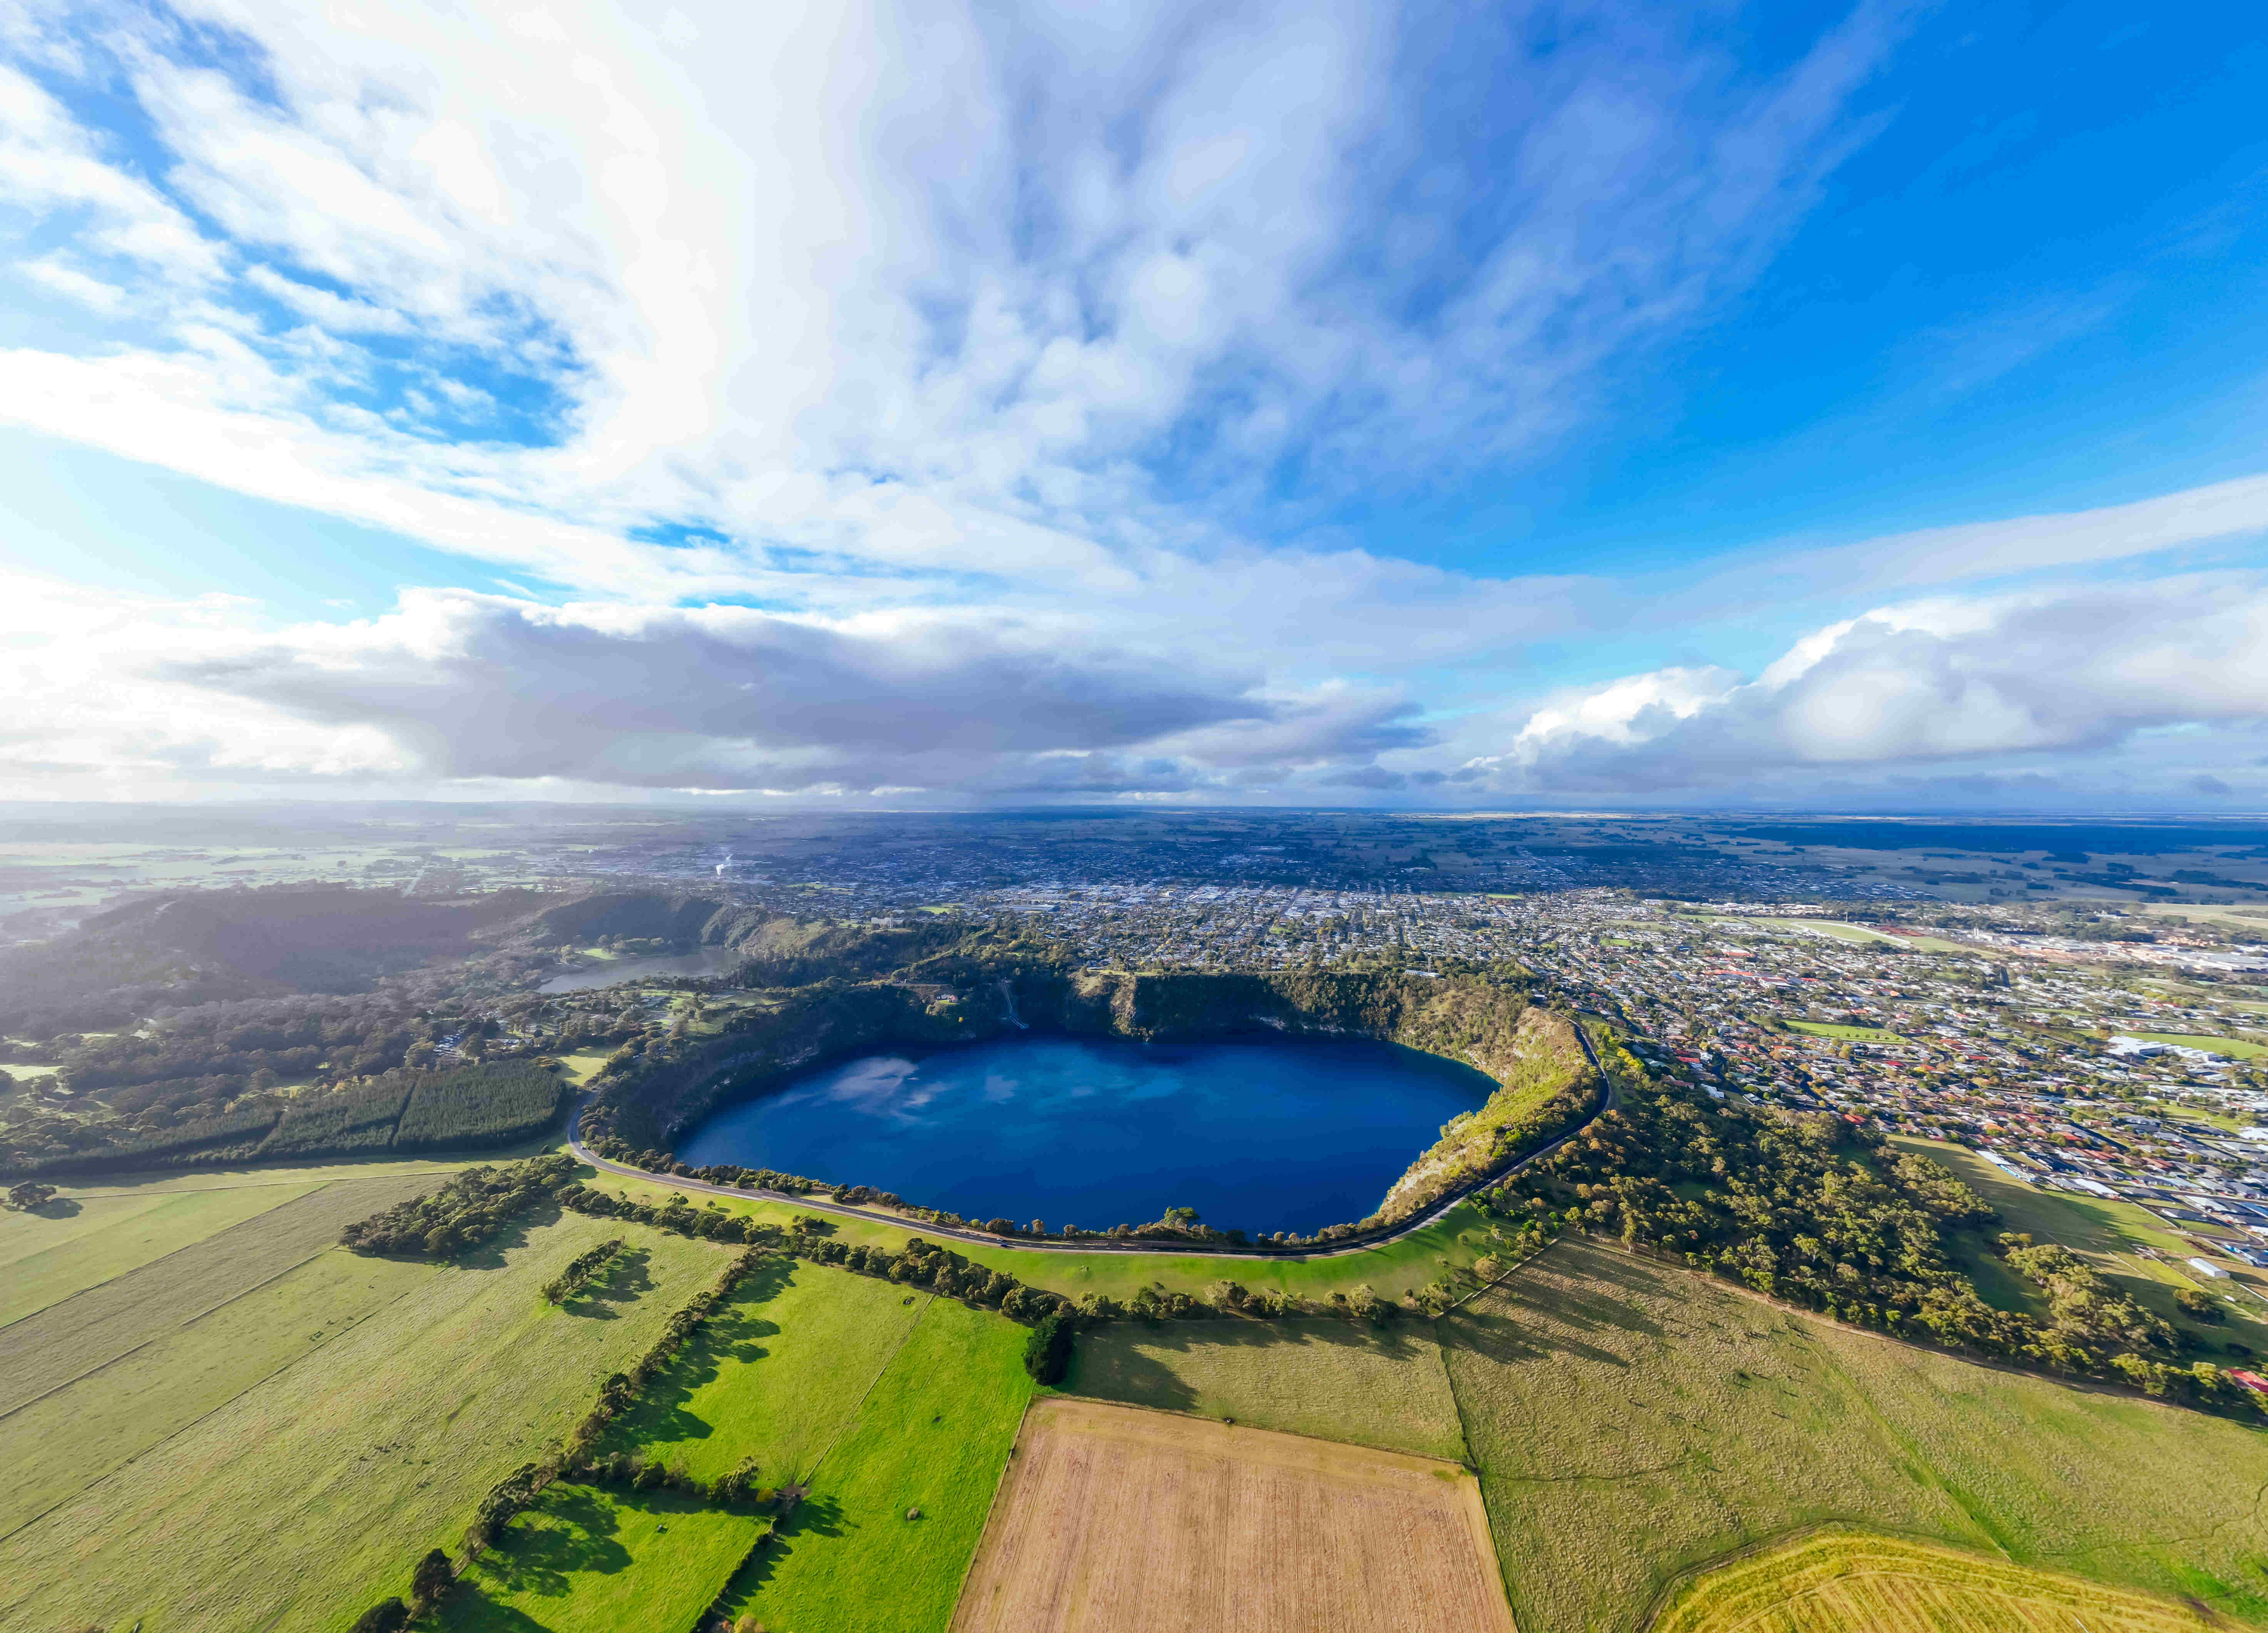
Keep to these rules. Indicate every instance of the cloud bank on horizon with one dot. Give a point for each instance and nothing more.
(1316, 404)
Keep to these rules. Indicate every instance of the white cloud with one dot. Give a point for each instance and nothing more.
(928, 290)
(2062, 679)
(452, 688)
(977, 347)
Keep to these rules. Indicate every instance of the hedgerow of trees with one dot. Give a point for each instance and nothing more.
(580, 1269)
(466, 1211)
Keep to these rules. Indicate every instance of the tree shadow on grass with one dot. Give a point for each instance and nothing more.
(733, 1335)
(57, 1208)
(814, 1517)
(1138, 1375)
(1576, 1316)
(571, 1529)
(516, 1232)
(625, 1280)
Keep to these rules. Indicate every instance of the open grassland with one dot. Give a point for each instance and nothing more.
(932, 1434)
(1841, 1033)
(1837, 1579)
(1633, 1422)
(1335, 1381)
(775, 1374)
(73, 1244)
(1115, 1520)
(306, 1498)
(2108, 1231)
(64, 1442)
(2235, 1049)
(92, 1329)
(1816, 927)
(2100, 1226)
(244, 1175)
(1459, 1237)
(593, 1559)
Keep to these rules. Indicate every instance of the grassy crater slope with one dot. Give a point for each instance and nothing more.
(1836, 1579)
(1632, 1423)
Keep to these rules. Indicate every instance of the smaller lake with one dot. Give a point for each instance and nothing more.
(612, 972)
(1270, 1134)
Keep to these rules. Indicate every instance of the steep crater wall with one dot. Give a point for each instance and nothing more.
(1544, 1083)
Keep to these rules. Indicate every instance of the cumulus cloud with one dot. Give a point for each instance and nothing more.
(456, 688)
(2074, 671)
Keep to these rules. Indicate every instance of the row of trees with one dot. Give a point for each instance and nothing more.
(1822, 1212)
(919, 1263)
(580, 1269)
(468, 1210)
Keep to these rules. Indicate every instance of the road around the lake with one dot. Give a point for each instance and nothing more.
(985, 1238)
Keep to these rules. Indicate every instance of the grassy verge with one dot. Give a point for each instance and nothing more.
(933, 1435)
(1335, 1380)
(1633, 1422)
(304, 1499)
(1458, 1238)
(593, 1559)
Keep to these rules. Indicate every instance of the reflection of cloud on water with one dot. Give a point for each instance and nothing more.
(1156, 1086)
(998, 1087)
(890, 1088)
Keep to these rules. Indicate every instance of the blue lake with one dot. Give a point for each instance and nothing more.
(1267, 1134)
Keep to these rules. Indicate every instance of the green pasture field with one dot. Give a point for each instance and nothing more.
(66, 1441)
(933, 1434)
(1632, 1423)
(1820, 926)
(304, 1499)
(1846, 1035)
(2100, 1226)
(1457, 1237)
(102, 1323)
(2108, 1231)
(597, 1559)
(2235, 1049)
(581, 1066)
(774, 1375)
(73, 1244)
(1841, 932)
(1332, 1379)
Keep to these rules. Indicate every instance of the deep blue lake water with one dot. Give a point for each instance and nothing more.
(1266, 1135)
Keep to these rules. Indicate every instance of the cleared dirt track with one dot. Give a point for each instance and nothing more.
(1115, 1519)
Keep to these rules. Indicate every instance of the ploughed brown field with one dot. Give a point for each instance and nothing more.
(1115, 1519)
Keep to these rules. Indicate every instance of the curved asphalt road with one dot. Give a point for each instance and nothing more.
(985, 1238)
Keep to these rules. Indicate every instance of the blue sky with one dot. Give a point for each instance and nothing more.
(1688, 406)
